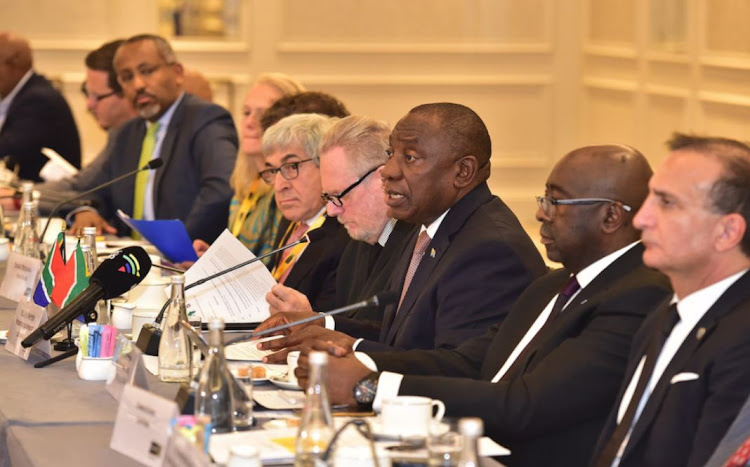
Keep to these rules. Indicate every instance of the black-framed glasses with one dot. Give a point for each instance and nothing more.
(336, 199)
(289, 171)
(547, 203)
(97, 97)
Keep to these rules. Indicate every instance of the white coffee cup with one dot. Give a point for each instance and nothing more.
(122, 316)
(4, 248)
(150, 294)
(410, 415)
(291, 361)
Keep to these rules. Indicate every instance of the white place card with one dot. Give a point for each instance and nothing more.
(21, 276)
(28, 317)
(143, 425)
(129, 367)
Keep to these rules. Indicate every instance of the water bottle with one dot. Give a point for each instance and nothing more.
(214, 396)
(471, 429)
(92, 262)
(316, 426)
(175, 349)
(27, 195)
(27, 241)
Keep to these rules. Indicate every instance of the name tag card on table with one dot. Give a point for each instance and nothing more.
(143, 426)
(129, 367)
(28, 317)
(182, 453)
(21, 276)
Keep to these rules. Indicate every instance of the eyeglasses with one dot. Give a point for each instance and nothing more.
(336, 199)
(289, 171)
(144, 71)
(97, 97)
(546, 203)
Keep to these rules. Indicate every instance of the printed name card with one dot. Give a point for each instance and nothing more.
(28, 317)
(129, 367)
(21, 276)
(143, 426)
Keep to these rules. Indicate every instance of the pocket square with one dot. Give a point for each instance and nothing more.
(679, 378)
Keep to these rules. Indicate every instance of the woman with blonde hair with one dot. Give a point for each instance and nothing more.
(253, 216)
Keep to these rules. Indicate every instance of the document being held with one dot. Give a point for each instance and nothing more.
(238, 296)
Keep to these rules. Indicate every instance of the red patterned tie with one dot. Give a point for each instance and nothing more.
(416, 257)
(740, 456)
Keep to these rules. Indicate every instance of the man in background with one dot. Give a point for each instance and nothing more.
(33, 114)
(195, 140)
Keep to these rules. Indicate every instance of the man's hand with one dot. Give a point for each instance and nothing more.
(304, 340)
(200, 247)
(285, 318)
(282, 298)
(343, 374)
(7, 199)
(90, 219)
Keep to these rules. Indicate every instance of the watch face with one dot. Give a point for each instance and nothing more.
(364, 391)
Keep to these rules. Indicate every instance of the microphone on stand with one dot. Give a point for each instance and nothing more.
(152, 164)
(381, 299)
(116, 275)
(148, 340)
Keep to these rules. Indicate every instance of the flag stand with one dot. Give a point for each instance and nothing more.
(68, 343)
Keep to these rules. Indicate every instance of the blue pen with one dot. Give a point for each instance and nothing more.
(94, 340)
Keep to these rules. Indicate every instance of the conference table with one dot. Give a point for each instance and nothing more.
(48, 416)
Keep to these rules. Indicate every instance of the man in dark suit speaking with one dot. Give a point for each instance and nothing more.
(196, 140)
(468, 259)
(688, 371)
(543, 381)
(33, 114)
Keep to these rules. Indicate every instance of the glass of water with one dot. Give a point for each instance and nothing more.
(444, 444)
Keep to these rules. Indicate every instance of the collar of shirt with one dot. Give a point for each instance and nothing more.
(433, 228)
(7, 100)
(387, 231)
(694, 306)
(586, 275)
(312, 220)
(167, 117)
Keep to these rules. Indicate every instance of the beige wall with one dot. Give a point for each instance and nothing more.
(546, 75)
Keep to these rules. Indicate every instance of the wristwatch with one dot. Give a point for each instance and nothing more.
(365, 389)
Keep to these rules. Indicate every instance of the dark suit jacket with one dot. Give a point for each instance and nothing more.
(199, 151)
(366, 270)
(314, 273)
(683, 422)
(39, 117)
(473, 271)
(549, 407)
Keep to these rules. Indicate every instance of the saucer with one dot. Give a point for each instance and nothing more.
(379, 432)
(282, 382)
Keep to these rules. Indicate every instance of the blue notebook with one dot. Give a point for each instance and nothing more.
(170, 237)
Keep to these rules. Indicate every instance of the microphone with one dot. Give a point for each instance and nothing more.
(381, 299)
(148, 340)
(152, 164)
(114, 276)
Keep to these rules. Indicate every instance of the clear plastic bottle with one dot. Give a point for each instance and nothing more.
(175, 349)
(316, 427)
(27, 241)
(92, 262)
(215, 394)
(471, 430)
(27, 195)
(243, 399)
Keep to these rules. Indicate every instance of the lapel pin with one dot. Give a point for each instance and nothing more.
(700, 333)
(584, 301)
(432, 252)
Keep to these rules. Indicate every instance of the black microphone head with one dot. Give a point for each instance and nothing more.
(122, 271)
(385, 298)
(153, 164)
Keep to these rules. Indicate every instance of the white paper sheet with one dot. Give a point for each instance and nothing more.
(237, 297)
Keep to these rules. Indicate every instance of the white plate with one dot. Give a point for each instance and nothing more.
(379, 432)
(282, 382)
(271, 371)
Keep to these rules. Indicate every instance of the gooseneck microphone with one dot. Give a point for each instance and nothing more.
(116, 275)
(381, 299)
(152, 164)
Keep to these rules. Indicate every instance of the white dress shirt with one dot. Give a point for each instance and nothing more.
(691, 309)
(389, 383)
